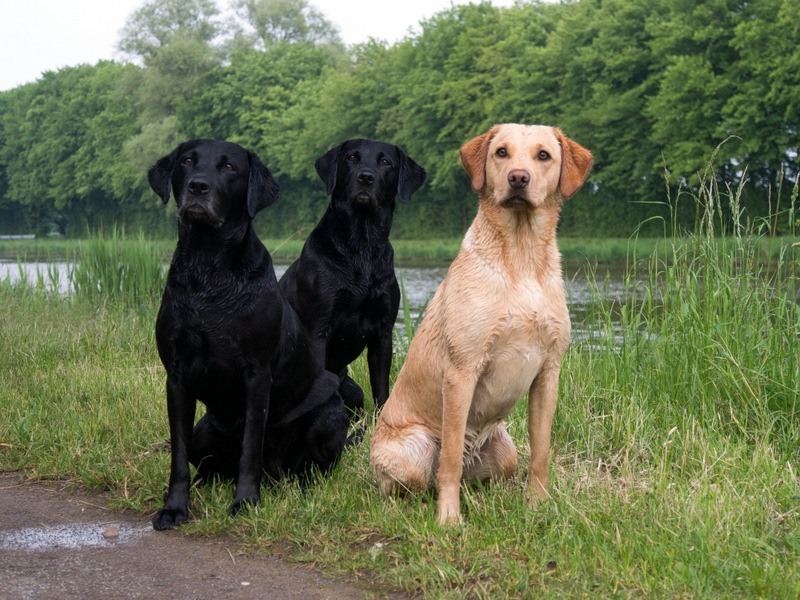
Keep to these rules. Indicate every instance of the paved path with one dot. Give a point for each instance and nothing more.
(58, 544)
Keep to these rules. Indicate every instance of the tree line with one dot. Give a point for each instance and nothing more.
(655, 88)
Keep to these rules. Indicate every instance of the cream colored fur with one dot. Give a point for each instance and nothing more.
(496, 328)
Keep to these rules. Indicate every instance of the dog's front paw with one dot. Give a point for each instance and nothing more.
(537, 492)
(450, 520)
(243, 504)
(169, 518)
(449, 504)
(449, 514)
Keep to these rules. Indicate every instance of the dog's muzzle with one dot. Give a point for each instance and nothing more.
(515, 202)
(362, 197)
(193, 211)
(518, 180)
(365, 188)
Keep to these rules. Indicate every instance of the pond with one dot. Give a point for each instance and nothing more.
(418, 283)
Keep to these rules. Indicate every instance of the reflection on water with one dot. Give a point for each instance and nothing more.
(418, 283)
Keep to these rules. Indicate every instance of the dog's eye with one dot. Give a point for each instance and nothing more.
(543, 155)
(501, 152)
(350, 157)
(385, 162)
(188, 161)
(229, 167)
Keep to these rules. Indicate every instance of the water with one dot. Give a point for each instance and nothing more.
(419, 284)
(54, 275)
(71, 537)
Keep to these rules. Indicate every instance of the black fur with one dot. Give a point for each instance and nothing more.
(227, 337)
(343, 285)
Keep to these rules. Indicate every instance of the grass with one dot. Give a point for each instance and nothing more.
(676, 447)
(577, 251)
(113, 269)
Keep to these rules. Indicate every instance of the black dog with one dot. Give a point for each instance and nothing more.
(227, 338)
(343, 285)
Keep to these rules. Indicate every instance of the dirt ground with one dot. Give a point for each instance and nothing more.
(57, 543)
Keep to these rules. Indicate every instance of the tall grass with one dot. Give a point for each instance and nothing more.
(675, 454)
(118, 270)
(683, 413)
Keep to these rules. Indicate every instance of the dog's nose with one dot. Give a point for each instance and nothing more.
(519, 179)
(366, 178)
(198, 187)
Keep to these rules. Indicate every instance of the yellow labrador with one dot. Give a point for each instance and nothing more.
(496, 328)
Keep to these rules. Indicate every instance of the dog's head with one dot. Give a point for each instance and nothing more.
(523, 166)
(369, 173)
(214, 182)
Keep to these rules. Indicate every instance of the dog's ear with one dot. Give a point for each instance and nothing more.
(576, 162)
(262, 189)
(473, 157)
(327, 165)
(412, 176)
(159, 176)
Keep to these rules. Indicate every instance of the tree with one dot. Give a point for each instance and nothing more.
(763, 108)
(439, 94)
(648, 85)
(62, 151)
(272, 21)
(247, 100)
(160, 22)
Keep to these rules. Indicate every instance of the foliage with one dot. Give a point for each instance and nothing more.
(159, 23)
(62, 148)
(651, 87)
(276, 21)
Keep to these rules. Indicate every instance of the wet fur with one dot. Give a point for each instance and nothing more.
(227, 337)
(343, 285)
(495, 330)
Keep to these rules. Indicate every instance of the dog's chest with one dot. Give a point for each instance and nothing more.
(211, 336)
(529, 328)
(364, 298)
(532, 313)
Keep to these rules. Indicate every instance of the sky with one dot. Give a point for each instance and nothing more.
(45, 35)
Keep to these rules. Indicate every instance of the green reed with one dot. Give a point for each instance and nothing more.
(117, 269)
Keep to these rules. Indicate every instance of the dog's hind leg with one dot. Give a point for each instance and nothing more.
(215, 452)
(317, 429)
(326, 435)
(404, 461)
(495, 459)
(352, 395)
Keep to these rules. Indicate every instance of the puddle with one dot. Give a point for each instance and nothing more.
(71, 537)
